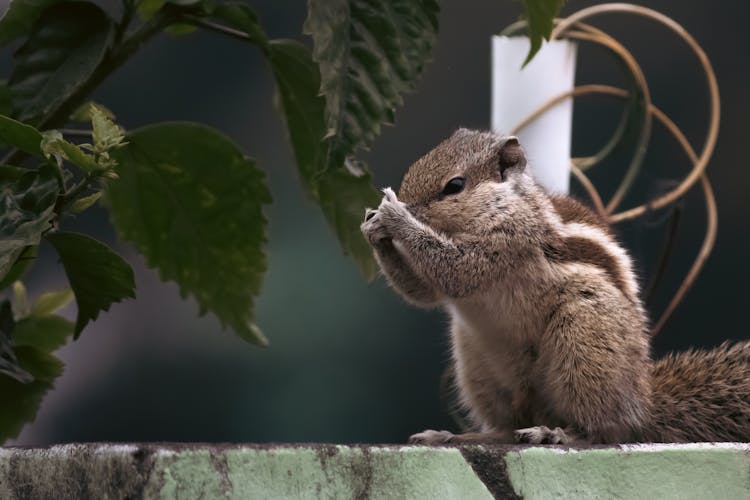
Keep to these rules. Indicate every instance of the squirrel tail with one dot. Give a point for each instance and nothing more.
(702, 395)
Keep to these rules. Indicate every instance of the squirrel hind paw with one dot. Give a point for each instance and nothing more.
(542, 435)
(431, 438)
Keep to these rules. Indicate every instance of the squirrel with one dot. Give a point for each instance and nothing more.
(550, 339)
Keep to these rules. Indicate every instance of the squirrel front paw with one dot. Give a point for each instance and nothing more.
(394, 215)
(387, 222)
(431, 438)
(373, 229)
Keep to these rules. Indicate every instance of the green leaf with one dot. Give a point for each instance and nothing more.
(71, 152)
(540, 15)
(46, 333)
(106, 134)
(66, 45)
(83, 113)
(343, 194)
(23, 262)
(26, 211)
(9, 365)
(20, 17)
(21, 401)
(370, 53)
(83, 204)
(193, 205)
(98, 276)
(51, 302)
(298, 83)
(21, 136)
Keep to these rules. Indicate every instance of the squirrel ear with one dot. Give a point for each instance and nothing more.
(511, 155)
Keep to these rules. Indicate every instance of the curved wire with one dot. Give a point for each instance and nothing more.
(713, 88)
(590, 189)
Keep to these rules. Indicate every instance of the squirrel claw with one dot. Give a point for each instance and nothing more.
(390, 195)
(541, 435)
(431, 438)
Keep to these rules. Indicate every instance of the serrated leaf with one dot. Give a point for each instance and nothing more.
(298, 81)
(83, 113)
(22, 264)
(9, 364)
(106, 134)
(26, 211)
(51, 302)
(20, 17)
(21, 401)
(71, 152)
(193, 205)
(98, 276)
(343, 195)
(370, 52)
(66, 45)
(46, 333)
(21, 136)
(540, 16)
(83, 204)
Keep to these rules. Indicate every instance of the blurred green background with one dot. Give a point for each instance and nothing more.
(348, 360)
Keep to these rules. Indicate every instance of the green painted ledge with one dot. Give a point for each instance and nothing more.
(186, 471)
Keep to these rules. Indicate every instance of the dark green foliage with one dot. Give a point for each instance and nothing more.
(188, 198)
(45, 332)
(98, 276)
(21, 400)
(193, 205)
(343, 191)
(19, 135)
(18, 20)
(65, 47)
(369, 53)
(26, 212)
(540, 15)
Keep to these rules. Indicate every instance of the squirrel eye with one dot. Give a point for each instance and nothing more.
(455, 185)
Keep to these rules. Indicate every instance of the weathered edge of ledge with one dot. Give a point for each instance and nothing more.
(700, 470)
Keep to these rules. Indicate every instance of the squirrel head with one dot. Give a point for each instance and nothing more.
(469, 183)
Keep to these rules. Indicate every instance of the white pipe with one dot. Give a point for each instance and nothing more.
(517, 92)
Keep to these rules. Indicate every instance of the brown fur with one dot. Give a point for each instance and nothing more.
(576, 249)
(549, 338)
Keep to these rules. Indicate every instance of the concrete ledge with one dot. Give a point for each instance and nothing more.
(336, 471)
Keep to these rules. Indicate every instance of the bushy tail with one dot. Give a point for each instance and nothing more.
(702, 395)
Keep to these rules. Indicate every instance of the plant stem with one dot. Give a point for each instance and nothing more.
(222, 29)
(76, 132)
(116, 57)
(114, 60)
(72, 194)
